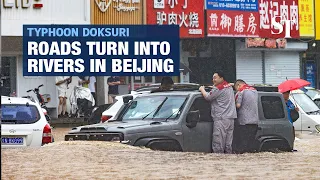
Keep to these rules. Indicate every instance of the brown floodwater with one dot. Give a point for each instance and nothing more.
(105, 160)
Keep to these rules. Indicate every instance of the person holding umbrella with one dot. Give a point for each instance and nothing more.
(285, 88)
(290, 105)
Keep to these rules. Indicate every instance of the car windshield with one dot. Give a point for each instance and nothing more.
(312, 93)
(305, 103)
(19, 114)
(154, 107)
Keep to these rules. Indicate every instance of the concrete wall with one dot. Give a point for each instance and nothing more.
(52, 12)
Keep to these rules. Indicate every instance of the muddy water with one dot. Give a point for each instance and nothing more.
(103, 160)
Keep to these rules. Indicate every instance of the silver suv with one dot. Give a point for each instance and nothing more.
(181, 121)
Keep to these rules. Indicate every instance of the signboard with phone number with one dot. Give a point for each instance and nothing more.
(237, 5)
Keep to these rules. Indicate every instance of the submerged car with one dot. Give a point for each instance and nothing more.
(309, 112)
(181, 121)
(23, 123)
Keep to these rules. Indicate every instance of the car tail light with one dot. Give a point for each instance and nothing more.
(105, 118)
(46, 136)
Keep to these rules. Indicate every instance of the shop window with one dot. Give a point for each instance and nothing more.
(272, 107)
(8, 66)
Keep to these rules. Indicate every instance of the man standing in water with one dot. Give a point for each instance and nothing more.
(246, 125)
(223, 113)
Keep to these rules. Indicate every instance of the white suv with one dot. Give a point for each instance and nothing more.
(23, 123)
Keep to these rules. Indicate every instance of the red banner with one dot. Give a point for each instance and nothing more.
(188, 14)
(284, 10)
(232, 23)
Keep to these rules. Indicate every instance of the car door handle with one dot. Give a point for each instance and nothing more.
(153, 123)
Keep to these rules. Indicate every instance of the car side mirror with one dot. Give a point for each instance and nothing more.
(127, 98)
(133, 104)
(317, 101)
(193, 117)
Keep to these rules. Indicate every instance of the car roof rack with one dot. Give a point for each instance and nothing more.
(194, 89)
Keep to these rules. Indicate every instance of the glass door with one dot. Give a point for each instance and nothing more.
(8, 66)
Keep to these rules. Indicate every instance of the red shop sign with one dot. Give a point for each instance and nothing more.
(232, 23)
(283, 10)
(188, 14)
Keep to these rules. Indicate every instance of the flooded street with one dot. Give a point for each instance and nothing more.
(103, 160)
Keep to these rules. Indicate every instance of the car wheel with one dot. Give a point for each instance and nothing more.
(275, 146)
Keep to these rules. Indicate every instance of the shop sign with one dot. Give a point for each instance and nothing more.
(279, 18)
(237, 5)
(121, 5)
(22, 3)
(317, 19)
(269, 43)
(311, 73)
(306, 18)
(232, 23)
(188, 14)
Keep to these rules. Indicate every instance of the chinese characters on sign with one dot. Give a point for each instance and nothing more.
(282, 10)
(238, 5)
(120, 5)
(188, 14)
(306, 18)
(232, 23)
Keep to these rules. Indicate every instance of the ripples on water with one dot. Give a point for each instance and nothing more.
(105, 160)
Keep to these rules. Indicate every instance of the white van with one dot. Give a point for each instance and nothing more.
(309, 112)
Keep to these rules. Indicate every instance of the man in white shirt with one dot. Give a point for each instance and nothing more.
(93, 87)
(62, 85)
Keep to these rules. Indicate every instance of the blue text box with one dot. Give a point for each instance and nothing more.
(40, 38)
(236, 5)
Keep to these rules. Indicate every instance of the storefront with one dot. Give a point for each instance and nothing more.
(262, 65)
(16, 13)
(266, 55)
(227, 22)
(307, 34)
(311, 64)
(189, 15)
(117, 13)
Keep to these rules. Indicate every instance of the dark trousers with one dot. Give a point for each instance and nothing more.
(244, 138)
